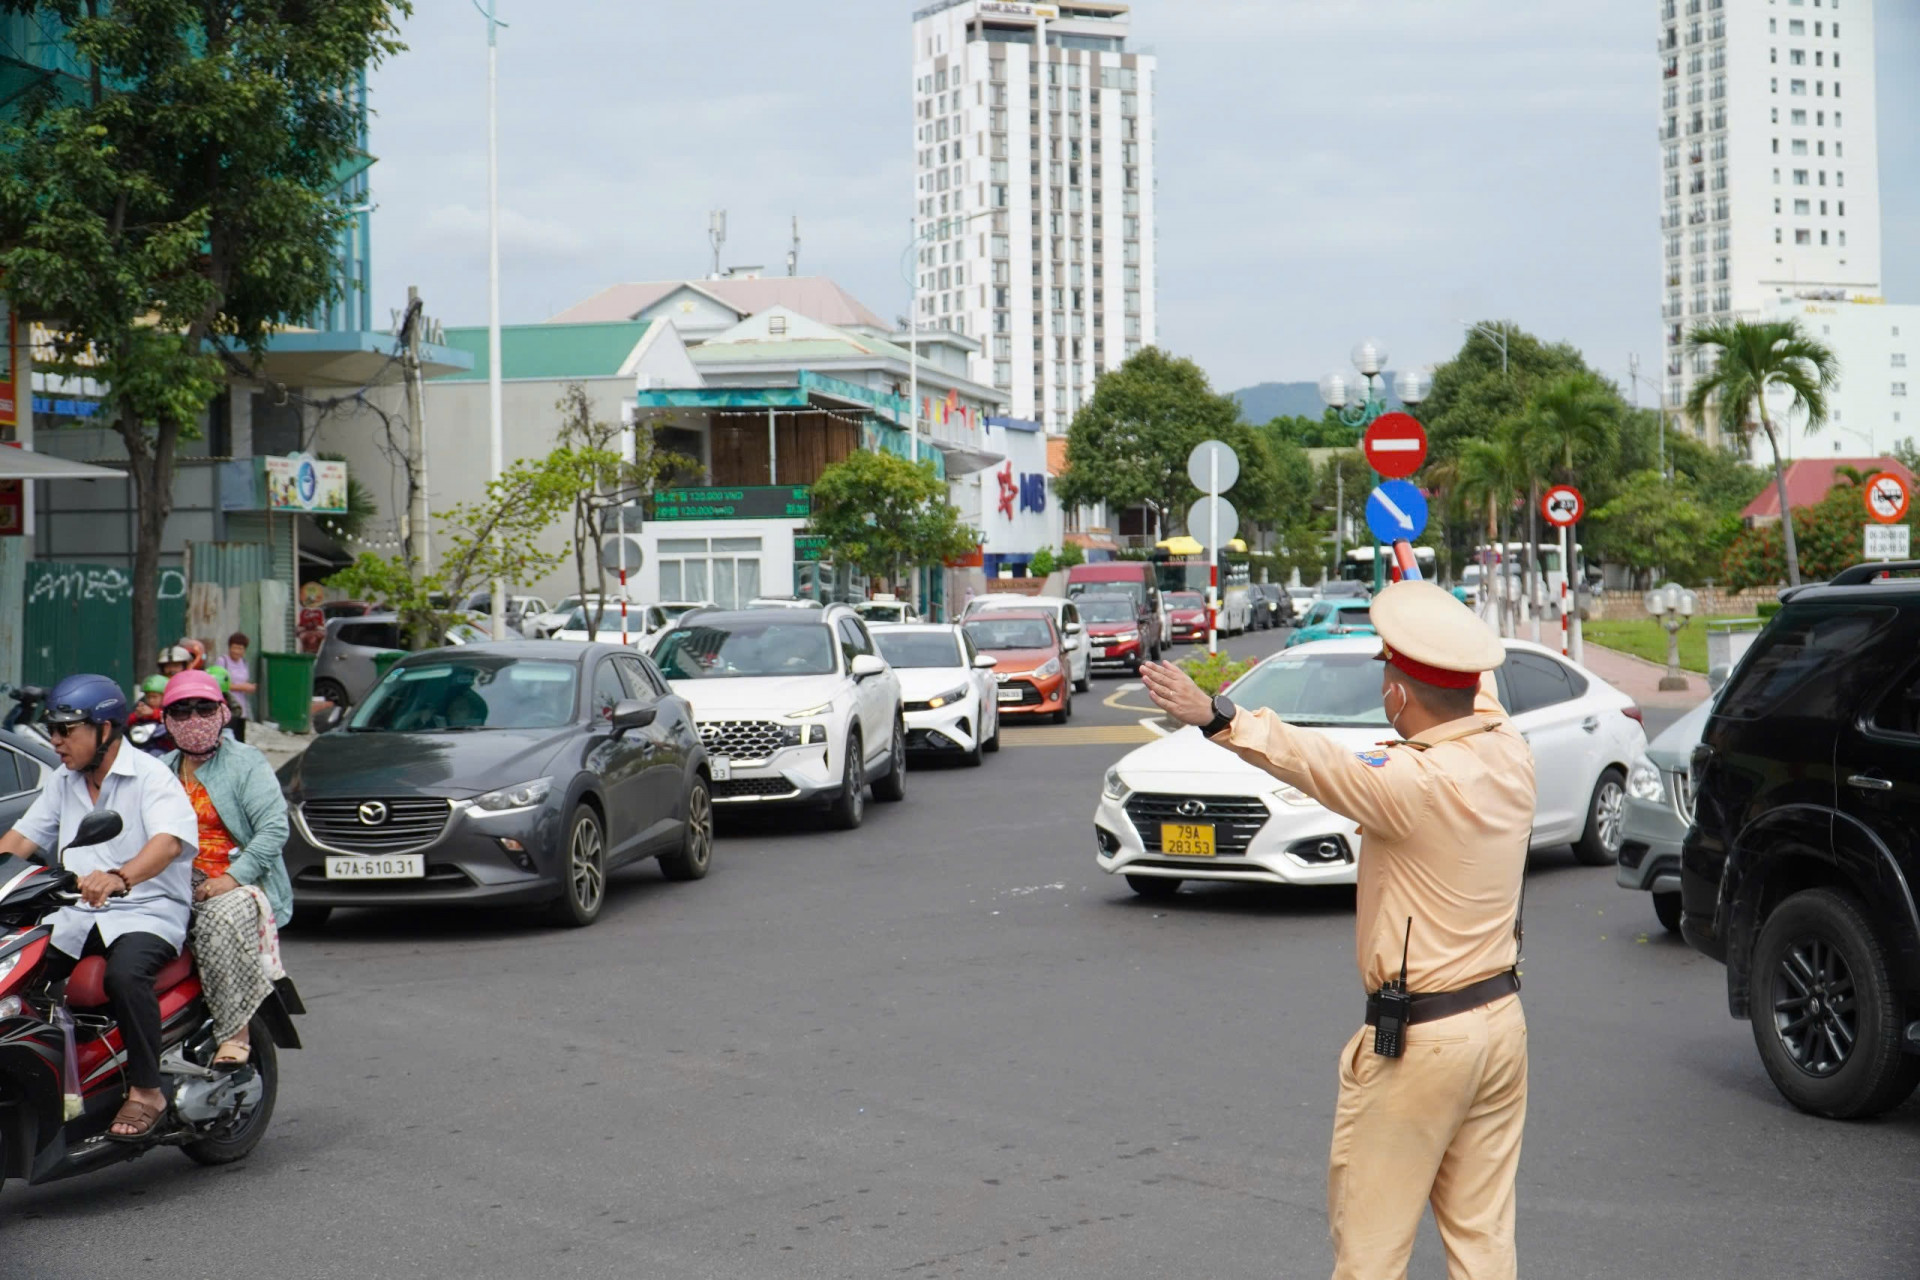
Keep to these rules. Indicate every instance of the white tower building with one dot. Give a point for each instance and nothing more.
(1034, 196)
(1769, 162)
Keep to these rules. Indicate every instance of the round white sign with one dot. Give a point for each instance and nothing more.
(1199, 522)
(1200, 467)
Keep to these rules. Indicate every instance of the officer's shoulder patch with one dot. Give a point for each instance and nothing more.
(1377, 758)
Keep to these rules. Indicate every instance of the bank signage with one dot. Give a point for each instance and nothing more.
(749, 502)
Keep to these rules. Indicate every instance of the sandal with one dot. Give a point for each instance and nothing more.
(135, 1112)
(233, 1054)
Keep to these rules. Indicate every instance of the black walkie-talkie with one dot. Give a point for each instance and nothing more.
(1393, 1006)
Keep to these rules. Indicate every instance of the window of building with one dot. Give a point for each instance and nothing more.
(1799, 177)
(1776, 146)
(1776, 235)
(1802, 207)
(723, 570)
(1823, 237)
(1899, 388)
(1799, 146)
(1798, 88)
(1899, 359)
(1797, 57)
(1802, 236)
(1799, 116)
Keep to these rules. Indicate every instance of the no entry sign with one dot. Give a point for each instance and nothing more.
(1562, 505)
(1887, 497)
(1395, 445)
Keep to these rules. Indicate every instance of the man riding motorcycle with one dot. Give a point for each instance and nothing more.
(136, 889)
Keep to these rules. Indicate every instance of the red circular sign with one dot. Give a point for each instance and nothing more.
(1562, 505)
(1887, 498)
(1395, 445)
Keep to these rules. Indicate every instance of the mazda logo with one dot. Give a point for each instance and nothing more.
(1191, 808)
(373, 813)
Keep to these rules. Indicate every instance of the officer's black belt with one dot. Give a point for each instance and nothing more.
(1444, 1004)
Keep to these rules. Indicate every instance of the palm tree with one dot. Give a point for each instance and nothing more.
(1492, 472)
(1750, 358)
(1577, 414)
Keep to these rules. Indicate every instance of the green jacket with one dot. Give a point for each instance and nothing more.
(247, 797)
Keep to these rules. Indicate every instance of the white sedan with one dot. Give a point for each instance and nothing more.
(1185, 809)
(946, 687)
(645, 624)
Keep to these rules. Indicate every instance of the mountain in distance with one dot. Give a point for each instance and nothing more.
(1266, 401)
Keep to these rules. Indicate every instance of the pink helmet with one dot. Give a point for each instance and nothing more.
(191, 685)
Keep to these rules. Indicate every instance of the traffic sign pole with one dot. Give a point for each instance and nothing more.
(1213, 549)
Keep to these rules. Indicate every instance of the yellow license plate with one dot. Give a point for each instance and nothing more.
(1187, 839)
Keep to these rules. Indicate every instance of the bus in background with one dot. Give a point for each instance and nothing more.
(1500, 569)
(1357, 564)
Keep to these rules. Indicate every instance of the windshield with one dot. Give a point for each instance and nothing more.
(919, 648)
(1009, 633)
(486, 691)
(778, 647)
(1106, 610)
(1329, 689)
(1186, 600)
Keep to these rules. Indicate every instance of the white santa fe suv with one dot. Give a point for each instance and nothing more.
(1183, 808)
(794, 706)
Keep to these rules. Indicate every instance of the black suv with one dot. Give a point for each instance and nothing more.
(1802, 865)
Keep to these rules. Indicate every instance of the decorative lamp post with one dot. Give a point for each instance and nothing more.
(1358, 401)
(1672, 607)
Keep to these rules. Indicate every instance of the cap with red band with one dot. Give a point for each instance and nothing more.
(1432, 637)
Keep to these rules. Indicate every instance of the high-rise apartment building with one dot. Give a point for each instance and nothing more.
(1769, 162)
(1034, 196)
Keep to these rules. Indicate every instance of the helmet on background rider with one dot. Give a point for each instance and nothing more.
(154, 684)
(88, 699)
(221, 678)
(176, 657)
(199, 652)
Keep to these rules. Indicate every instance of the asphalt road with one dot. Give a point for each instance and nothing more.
(947, 1045)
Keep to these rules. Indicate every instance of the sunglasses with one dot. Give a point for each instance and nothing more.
(199, 709)
(59, 730)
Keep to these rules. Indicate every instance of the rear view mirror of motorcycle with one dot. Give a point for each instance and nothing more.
(97, 827)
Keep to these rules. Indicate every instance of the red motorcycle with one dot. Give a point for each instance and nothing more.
(54, 1122)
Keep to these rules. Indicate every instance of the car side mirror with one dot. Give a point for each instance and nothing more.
(986, 661)
(866, 664)
(1073, 628)
(630, 714)
(97, 827)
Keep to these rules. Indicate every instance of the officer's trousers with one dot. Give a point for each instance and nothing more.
(1440, 1124)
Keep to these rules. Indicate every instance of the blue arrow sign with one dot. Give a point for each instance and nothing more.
(1396, 511)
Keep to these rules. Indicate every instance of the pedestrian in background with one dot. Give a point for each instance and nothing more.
(1433, 1091)
(240, 682)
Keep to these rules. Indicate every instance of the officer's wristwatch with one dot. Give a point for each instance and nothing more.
(1223, 713)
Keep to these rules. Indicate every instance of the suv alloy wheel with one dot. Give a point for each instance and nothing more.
(850, 808)
(1826, 1018)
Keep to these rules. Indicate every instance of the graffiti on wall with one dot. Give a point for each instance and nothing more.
(102, 583)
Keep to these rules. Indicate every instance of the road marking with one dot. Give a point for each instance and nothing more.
(1109, 735)
(1153, 726)
(1116, 698)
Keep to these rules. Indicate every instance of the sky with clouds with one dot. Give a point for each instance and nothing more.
(1329, 169)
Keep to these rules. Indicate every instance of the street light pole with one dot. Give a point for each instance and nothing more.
(497, 430)
(1358, 407)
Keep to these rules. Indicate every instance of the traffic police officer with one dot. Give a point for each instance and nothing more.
(1431, 1115)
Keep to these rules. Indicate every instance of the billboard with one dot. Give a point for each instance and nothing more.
(301, 482)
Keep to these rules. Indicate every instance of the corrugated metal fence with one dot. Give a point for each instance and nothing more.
(79, 617)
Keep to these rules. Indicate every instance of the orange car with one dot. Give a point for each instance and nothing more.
(1030, 661)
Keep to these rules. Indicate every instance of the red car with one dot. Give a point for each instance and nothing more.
(1030, 661)
(1117, 628)
(1187, 615)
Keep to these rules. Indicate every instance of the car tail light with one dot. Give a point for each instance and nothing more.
(1632, 712)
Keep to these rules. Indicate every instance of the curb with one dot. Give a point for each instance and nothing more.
(1659, 667)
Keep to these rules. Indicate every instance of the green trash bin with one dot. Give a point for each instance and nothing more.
(289, 700)
(383, 662)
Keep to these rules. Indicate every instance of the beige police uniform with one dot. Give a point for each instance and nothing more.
(1445, 820)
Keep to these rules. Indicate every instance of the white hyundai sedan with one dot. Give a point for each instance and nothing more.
(1185, 809)
(946, 686)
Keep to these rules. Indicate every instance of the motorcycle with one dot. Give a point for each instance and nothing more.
(24, 715)
(46, 1133)
(151, 736)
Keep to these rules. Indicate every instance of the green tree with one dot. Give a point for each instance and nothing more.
(1041, 564)
(496, 537)
(1749, 358)
(1829, 541)
(1129, 444)
(1653, 523)
(1491, 475)
(179, 201)
(887, 515)
(1070, 555)
(1343, 483)
(1573, 424)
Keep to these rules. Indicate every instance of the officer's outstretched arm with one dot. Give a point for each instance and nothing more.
(1386, 791)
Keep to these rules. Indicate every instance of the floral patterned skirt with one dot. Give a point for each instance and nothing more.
(237, 950)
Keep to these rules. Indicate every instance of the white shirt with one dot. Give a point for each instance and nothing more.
(150, 802)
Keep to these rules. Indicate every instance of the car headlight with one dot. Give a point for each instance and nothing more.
(1113, 788)
(825, 708)
(1051, 667)
(1287, 793)
(523, 796)
(1643, 780)
(1121, 637)
(951, 695)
